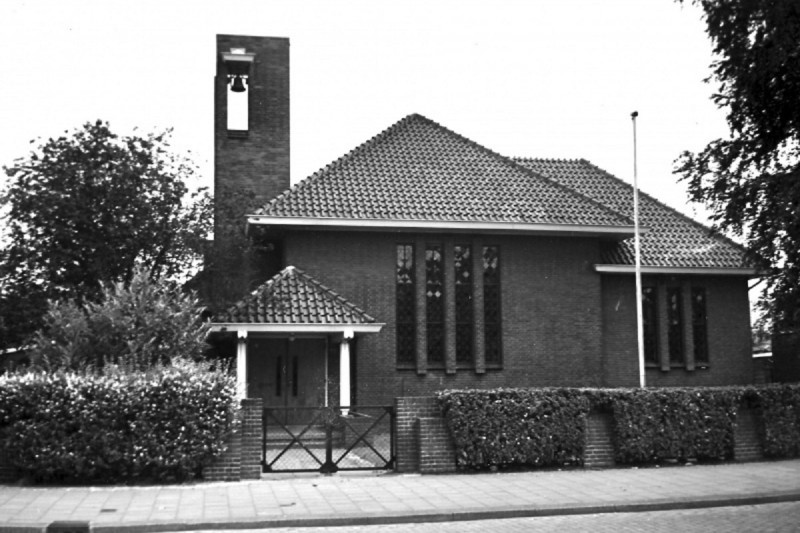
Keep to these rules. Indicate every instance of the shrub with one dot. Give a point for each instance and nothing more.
(779, 406)
(538, 427)
(134, 325)
(161, 425)
(651, 425)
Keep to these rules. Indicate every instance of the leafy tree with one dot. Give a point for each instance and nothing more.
(135, 325)
(751, 180)
(88, 207)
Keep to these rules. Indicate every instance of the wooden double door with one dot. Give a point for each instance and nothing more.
(288, 374)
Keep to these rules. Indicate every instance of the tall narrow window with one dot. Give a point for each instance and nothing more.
(462, 264)
(699, 326)
(434, 304)
(650, 324)
(406, 307)
(675, 324)
(491, 306)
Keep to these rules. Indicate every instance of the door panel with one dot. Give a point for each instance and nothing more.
(287, 374)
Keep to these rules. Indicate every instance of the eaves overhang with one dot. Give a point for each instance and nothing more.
(694, 271)
(619, 232)
(298, 329)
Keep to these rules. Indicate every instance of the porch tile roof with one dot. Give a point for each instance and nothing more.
(418, 170)
(294, 297)
(671, 240)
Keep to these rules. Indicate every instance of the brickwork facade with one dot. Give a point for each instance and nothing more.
(550, 295)
(728, 323)
(786, 356)
(563, 324)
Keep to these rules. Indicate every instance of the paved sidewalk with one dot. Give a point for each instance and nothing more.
(396, 498)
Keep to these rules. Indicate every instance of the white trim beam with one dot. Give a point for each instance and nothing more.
(698, 271)
(622, 231)
(344, 372)
(295, 328)
(241, 365)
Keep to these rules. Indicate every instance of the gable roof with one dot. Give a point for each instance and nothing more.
(672, 240)
(420, 174)
(292, 297)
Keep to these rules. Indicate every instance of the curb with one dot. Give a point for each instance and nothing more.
(437, 516)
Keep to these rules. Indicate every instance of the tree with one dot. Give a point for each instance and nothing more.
(136, 325)
(87, 208)
(751, 180)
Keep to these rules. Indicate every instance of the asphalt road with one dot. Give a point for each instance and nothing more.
(771, 518)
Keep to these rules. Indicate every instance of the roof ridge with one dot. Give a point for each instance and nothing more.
(517, 161)
(711, 231)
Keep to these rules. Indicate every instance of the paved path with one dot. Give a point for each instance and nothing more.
(392, 498)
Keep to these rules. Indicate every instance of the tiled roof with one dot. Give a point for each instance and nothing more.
(294, 297)
(671, 239)
(418, 170)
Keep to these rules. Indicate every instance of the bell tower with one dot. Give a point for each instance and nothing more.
(251, 161)
(251, 122)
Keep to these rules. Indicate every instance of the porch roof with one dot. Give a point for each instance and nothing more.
(294, 302)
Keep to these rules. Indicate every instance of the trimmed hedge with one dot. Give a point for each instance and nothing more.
(779, 406)
(541, 427)
(160, 425)
(538, 427)
(652, 425)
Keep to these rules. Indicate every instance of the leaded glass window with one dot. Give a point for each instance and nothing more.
(675, 325)
(406, 307)
(462, 265)
(699, 325)
(491, 305)
(650, 324)
(434, 303)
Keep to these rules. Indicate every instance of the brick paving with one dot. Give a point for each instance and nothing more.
(391, 498)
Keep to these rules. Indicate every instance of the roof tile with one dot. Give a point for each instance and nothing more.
(419, 170)
(294, 297)
(671, 240)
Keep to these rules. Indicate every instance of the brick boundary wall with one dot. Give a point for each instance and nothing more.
(424, 444)
(437, 455)
(242, 459)
(746, 441)
(599, 450)
(413, 437)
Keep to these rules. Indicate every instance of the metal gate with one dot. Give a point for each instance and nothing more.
(336, 438)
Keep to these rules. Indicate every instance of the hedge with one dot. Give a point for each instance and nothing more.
(541, 427)
(779, 406)
(161, 425)
(653, 425)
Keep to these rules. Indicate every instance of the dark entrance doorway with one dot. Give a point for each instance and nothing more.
(288, 374)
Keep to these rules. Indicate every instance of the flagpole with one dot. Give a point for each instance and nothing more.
(638, 261)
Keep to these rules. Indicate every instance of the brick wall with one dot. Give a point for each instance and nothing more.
(786, 356)
(551, 298)
(728, 312)
(242, 459)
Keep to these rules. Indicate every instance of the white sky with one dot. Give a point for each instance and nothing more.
(556, 78)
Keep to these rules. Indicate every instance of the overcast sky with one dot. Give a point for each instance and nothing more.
(556, 78)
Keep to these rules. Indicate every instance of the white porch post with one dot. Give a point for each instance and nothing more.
(241, 365)
(344, 370)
